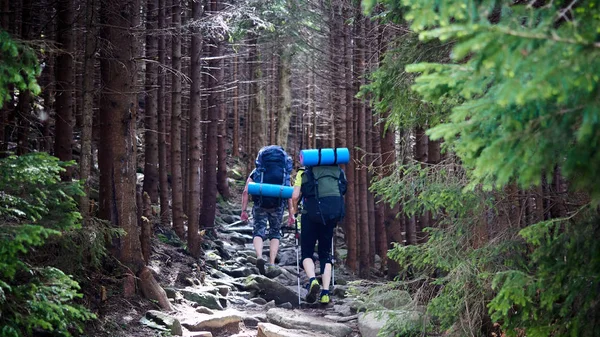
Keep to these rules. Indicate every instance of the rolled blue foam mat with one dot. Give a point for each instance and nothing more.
(310, 157)
(270, 190)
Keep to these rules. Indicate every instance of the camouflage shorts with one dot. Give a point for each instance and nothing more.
(273, 216)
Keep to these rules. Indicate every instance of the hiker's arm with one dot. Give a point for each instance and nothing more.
(244, 215)
(291, 217)
(295, 197)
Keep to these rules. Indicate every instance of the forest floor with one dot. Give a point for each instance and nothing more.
(223, 294)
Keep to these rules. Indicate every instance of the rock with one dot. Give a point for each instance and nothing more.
(341, 319)
(199, 334)
(202, 298)
(298, 320)
(250, 321)
(220, 322)
(229, 219)
(272, 271)
(340, 291)
(171, 323)
(272, 330)
(239, 272)
(224, 290)
(369, 324)
(287, 258)
(174, 294)
(393, 299)
(286, 305)
(259, 300)
(204, 310)
(343, 310)
(286, 278)
(270, 305)
(241, 229)
(270, 290)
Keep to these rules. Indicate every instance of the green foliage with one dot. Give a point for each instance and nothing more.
(557, 294)
(522, 86)
(18, 67)
(528, 85)
(390, 85)
(35, 206)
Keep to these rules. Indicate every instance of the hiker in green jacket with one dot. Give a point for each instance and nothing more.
(322, 189)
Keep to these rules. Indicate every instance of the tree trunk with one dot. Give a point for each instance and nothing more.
(176, 124)
(284, 113)
(194, 239)
(117, 120)
(146, 233)
(421, 155)
(351, 207)
(151, 178)
(64, 84)
(162, 119)
(209, 195)
(257, 100)
(236, 110)
(360, 112)
(222, 185)
(87, 108)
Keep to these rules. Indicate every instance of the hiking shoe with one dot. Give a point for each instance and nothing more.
(324, 299)
(260, 264)
(313, 290)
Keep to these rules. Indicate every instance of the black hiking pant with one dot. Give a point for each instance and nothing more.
(313, 232)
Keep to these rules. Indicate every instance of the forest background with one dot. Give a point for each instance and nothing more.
(472, 124)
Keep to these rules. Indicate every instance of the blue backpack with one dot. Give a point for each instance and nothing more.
(273, 166)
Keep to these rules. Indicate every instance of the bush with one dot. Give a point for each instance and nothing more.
(35, 206)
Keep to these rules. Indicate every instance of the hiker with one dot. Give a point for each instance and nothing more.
(273, 166)
(322, 189)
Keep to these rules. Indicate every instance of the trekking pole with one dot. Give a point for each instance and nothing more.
(333, 259)
(297, 259)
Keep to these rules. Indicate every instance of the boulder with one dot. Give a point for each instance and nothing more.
(393, 299)
(222, 321)
(370, 323)
(272, 330)
(343, 310)
(239, 272)
(204, 310)
(206, 299)
(171, 324)
(298, 320)
(270, 290)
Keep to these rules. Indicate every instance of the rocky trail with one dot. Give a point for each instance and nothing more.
(227, 296)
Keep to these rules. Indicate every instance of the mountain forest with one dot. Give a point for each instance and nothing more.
(128, 129)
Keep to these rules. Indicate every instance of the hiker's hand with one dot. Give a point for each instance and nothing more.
(291, 220)
(244, 216)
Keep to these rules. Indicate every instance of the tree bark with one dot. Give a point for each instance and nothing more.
(151, 179)
(236, 110)
(64, 84)
(284, 113)
(360, 112)
(176, 124)
(87, 108)
(117, 120)
(222, 184)
(209, 195)
(421, 155)
(162, 120)
(194, 239)
(351, 223)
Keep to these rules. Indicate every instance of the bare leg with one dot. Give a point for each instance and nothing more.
(309, 267)
(273, 248)
(258, 246)
(326, 278)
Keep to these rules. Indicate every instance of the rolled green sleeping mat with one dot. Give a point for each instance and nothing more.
(318, 157)
(270, 190)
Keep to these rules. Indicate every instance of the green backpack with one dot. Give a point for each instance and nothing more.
(323, 189)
